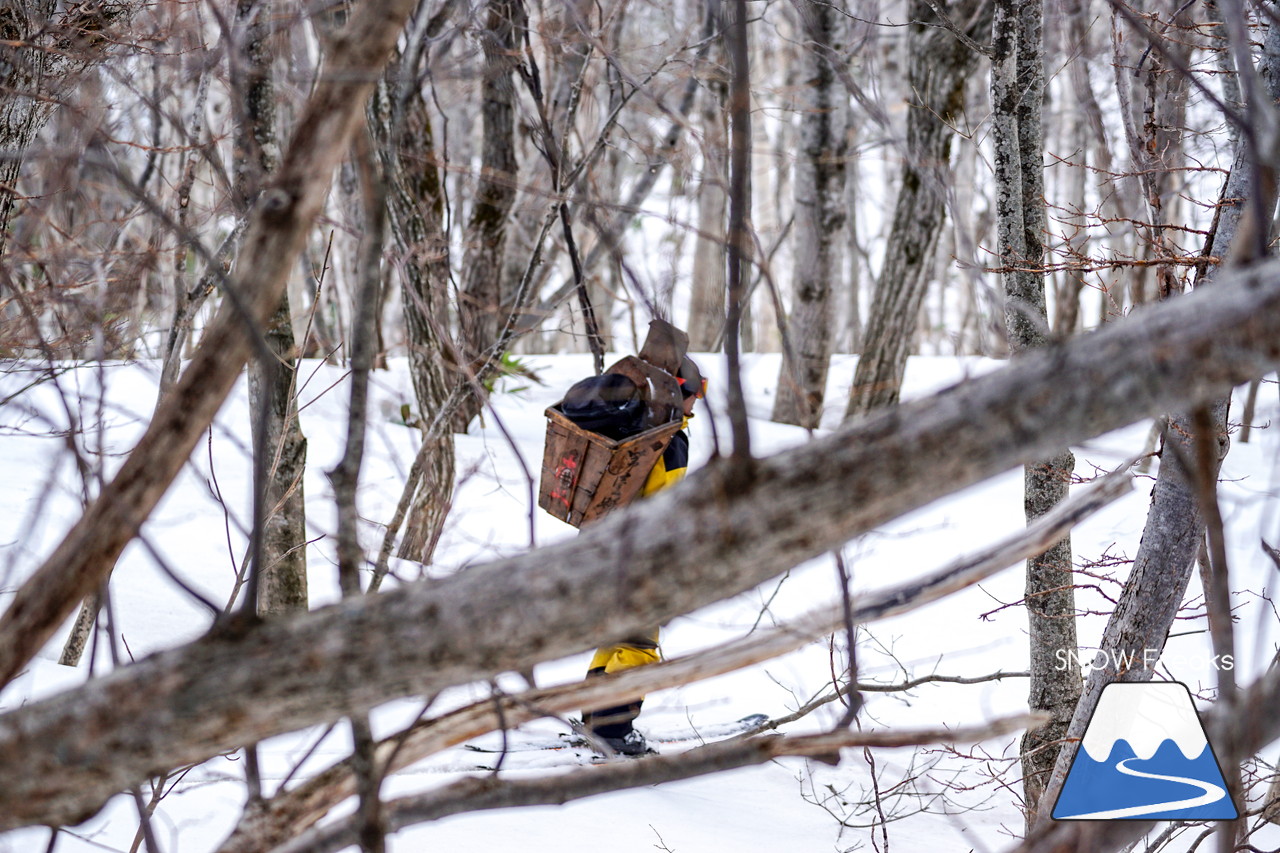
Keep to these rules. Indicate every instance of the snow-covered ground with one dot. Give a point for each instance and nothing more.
(934, 799)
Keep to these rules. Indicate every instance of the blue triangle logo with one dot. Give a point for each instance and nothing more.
(1145, 756)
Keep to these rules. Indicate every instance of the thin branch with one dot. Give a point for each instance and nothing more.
(851, 640)
(873, 687)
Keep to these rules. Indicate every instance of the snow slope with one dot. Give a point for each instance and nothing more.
(935, 799)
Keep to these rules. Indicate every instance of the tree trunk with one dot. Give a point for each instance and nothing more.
(282, 583)
(1154, 124)
(738, 242)
(415, 198)
(850, 338)
(282, 586)
(63, 756)
(1073, 186)
(819, 222)
(707, 308)
(1017, 92)
(482, 308)
(939, 64)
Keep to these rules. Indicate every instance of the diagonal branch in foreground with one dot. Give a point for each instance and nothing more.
(289, 813)
(724, 530)
(277, 231)
(478, 793)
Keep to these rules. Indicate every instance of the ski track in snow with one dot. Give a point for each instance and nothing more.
(1212, 793)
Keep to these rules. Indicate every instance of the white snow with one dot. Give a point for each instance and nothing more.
(934, 799)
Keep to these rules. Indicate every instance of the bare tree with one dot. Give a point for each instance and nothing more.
(820, 221)
(1017, 92)
(1154, 121)
(939, 63)
(402, 125)
(281, 582)
(276, 234)
(707, 306)
(43, 49)
(738, 250)
(178, 177)
(484, 299)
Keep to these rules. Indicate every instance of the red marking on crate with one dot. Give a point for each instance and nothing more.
(566, 476)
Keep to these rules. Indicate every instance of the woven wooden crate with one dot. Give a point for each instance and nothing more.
(586, 475)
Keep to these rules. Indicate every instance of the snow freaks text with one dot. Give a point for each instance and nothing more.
(1114, 660)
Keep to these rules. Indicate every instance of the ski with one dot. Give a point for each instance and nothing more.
(572, 740)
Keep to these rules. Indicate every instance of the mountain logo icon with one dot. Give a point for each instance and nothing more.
(1145, 755)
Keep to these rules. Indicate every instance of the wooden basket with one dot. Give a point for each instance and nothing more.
(586, 475)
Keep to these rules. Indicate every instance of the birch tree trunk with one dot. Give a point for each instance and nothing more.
(938, 65)
(819, 220)
(482, 309)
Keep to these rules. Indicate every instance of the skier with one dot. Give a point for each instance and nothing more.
(618, 417)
